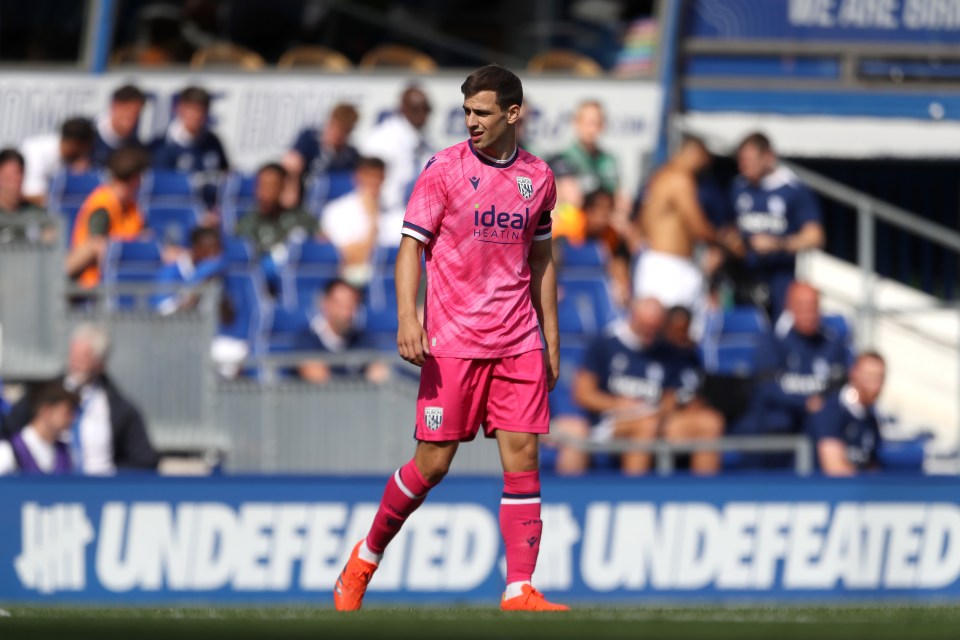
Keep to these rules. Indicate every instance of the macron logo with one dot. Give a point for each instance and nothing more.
(475, 181)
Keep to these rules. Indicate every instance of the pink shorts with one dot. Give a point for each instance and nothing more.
(458, 395)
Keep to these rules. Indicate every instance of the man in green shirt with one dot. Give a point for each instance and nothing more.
(594, 167)
(12, 202)
(269, 226)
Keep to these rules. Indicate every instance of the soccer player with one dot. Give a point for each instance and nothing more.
(480, 212)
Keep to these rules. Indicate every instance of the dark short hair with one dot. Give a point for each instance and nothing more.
(371, 162)
(500, 80)
(78, 129)
(127, 162)
(757, 140)
(679, 311)
(195, 95)
(52, 394)
(339, 282)
(590, 200)
(276, 167)
(200, 233)
(11, 155)
(128, 93)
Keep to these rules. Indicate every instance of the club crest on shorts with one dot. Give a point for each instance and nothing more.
(525, 186)
(433, 417)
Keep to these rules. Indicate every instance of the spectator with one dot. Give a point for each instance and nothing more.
(39, 446)
(694, 418)
(203, 263)
(627, 382)
(401, 143)
(270, 225)
(333, 330)
(109, 213)
(671, 224)
(846, 430)
(594, 167)
(356, 224)
(778, 218)
(12, 202)
(118, 128)
(109, 433)
(319, 151)
(801, 362)
(594, 223)
(189, 146)
(47, 155)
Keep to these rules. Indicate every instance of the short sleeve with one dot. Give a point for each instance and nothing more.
(99, 223)
(35, 167)
(8, 463)
(545, 223)
(307, 145)
(427, 204)
(595, 358)
(807, 207)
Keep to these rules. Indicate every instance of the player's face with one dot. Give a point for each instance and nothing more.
(340, 309)
(598, 216)
(269, 186)
(208, 247)
(486, 122)
(369, 180)
(867, 378)
(124, 116)
(82, 362)
(193, 116)
(589, 125)
(59, 416)
(677, 330)
(804, 304)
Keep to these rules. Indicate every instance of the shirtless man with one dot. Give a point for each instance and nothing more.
(671, 223)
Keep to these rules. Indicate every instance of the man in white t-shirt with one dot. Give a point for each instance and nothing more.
(38, 447)
(46, 155)
(400, 142)
(356, 222)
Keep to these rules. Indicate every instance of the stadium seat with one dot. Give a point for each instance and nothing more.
(730, 341)
(247, 293)
(576, 317)
(67, 193)
(131, 262)
(381, 313)
(285, 329)
(166, 187)
(226, 55)
(396, 56)
(564, 61)
(314, 57)
(597, 291)
(588, 257)
(236, 197)
(237, 252)
(310, 267)
(173, 224)
(326, 187)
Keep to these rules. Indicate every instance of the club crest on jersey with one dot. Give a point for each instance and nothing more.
(433, 417)
(525, 186)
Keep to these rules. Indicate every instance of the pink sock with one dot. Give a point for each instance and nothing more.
(520, 523)
(404, 492)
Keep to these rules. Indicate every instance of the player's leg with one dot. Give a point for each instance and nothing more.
(516, 413)
(643, 429)
(697, 422)
(570, 460)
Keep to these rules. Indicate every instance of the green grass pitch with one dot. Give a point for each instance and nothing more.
(740, 623)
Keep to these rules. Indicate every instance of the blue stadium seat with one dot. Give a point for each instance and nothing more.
(588, 257)
(247, 293)
(236, 197)
(576, 317)
(130, 262)
(67, 193)
(315, 254)
(166, 187)
(237, 253)
(69, 213)
(731, 340)
(325, 187)
(597, 291)
(561, 399)
(381, 313)
(285, 329)
(173, 224)
(310, 267)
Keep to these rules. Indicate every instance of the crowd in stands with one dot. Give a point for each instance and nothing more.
(680, 316)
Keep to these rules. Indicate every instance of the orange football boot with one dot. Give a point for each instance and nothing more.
(353, 581)
(530, 600)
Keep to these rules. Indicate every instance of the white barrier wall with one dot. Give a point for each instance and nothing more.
(258, 116)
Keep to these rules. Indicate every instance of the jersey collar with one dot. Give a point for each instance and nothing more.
(493, 162)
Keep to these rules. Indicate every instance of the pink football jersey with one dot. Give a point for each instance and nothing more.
(478, 218)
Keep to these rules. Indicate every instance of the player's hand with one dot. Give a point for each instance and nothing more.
(552, 362)
(412, 342)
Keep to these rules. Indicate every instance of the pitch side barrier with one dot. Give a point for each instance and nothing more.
(227, 540)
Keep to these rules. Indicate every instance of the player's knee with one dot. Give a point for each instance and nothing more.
(435, 470)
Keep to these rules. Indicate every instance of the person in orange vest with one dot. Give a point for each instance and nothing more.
(109, 213)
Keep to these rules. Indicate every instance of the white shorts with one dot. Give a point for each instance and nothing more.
(669, 278)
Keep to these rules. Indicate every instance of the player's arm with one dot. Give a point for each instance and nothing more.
(810, 236)
(293, 162)
(685, 200)
(543, 295)
(588, 394)
(833, 458)
(93, 250)
(411, 338)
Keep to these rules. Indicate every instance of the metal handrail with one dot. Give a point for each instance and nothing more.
(664, 450)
